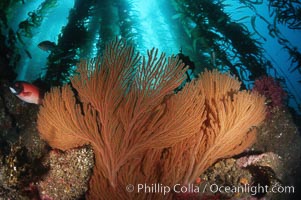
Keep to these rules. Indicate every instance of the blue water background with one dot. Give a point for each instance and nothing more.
(155, 31)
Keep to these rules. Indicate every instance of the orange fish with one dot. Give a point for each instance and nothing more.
(26, 92)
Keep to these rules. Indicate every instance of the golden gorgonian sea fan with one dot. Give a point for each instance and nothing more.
(140, 129)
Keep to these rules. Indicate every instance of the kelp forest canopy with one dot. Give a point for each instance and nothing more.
(204, 30)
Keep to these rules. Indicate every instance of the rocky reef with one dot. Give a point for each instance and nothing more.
(272, 162)
(68, 175)
(29, 169)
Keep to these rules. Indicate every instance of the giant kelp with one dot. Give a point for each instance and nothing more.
(285, 13)
(90, 24)
(128, 21)
(13, 44)
(213, 38)
(9, 54)
(73, 37)
(212, 32)
(35, 18)
(206, 33)
(203, 30)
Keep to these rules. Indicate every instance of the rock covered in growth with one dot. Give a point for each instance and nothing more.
(68, 174)
(226, 173)
(273, 92)
(280, 135)
(242, 176)
(268, 159)
(280, 143)
(18, 119)
(20, 146)
(14, 171)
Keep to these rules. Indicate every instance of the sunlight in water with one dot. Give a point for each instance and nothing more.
(157, 32)
(30, 68)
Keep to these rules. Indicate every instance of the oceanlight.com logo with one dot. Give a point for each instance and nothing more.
(251, 189)
(213, 188)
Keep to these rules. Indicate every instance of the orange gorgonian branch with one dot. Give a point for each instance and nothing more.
(140, 130)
